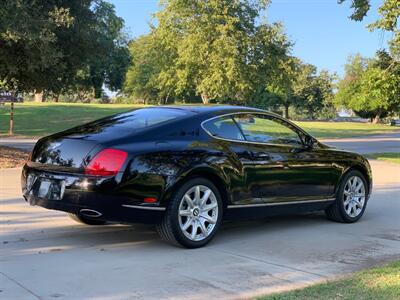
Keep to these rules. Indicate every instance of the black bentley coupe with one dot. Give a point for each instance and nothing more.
(187, 168)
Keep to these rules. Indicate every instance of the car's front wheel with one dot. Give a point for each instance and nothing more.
(351, 199)
(193, 215)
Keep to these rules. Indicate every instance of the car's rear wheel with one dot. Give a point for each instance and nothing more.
(83, 220)
(193, 215)
(351, 199)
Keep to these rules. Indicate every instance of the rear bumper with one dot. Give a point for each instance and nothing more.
(83, 195)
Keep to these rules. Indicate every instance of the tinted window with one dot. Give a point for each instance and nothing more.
(132, 121)
(224, 128)
(143, 118)
(265, 129)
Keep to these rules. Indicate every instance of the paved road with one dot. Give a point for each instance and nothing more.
(21, 143)
(367, 144)
(45, 255)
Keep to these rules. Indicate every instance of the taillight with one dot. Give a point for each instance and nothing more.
(150, 200)
(106, 163)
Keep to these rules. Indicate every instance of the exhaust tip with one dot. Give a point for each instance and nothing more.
(90, 213)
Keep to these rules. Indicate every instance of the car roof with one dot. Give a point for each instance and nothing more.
(211, 109)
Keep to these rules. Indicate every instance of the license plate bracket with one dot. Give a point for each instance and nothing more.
(47, 188)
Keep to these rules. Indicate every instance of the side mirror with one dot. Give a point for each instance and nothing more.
(309, 141)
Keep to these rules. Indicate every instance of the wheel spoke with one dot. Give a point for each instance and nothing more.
(210, 207)
(205, 198)
(203, 229)
(197, 195)
(194, 230)
(187, 224)
(348, 209)
(354, 209)
(356, 203)
(185, 213)
(208, 218)
(354, 183)
(358, 186)
(189, 201)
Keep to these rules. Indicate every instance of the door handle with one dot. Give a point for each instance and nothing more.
(262, 155)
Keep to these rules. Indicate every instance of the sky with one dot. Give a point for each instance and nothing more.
(321, 30)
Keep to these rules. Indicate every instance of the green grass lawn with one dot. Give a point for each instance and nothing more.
(39, 119)
(374, 284)
(389, 156)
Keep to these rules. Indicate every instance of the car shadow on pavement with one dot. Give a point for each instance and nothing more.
(54, 237)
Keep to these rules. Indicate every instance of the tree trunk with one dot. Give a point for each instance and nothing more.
(39, 96)
(97, 91)
(165, 100)
(205, 98)
(377, 118)
(286, 112)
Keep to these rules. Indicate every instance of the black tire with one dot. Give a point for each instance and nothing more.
(83, 220)
(169, 228)
(336, 212)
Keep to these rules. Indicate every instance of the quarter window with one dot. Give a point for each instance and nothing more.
(224, 128)
(266, 129)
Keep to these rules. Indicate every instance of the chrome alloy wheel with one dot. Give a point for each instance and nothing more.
(354, 196)
(198, 213)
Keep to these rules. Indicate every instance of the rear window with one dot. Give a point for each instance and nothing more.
(142, 118)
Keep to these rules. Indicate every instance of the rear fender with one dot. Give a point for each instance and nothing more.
(216, 176)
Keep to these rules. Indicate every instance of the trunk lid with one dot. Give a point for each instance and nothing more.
(62, 151)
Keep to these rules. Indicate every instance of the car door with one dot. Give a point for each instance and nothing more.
(239, 161)
(284, 168)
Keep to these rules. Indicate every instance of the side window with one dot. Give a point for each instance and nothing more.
(265, 129)
(224, 128)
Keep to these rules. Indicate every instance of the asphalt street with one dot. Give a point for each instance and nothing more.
(367, 144)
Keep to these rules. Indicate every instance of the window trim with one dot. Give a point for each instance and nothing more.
(228, 116)
(295, 128)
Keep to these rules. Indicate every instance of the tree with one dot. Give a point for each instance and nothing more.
(280, 88)
(49, 45)
(208, 49)
(209, 42)
(371, 87)
(108, 65)
(31, 55)
(313, 91)
(349, 87)
(141, 77)
(272, 70)
(390, 13)
(298, 85)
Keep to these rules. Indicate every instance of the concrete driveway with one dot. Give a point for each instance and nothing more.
(45, 255)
